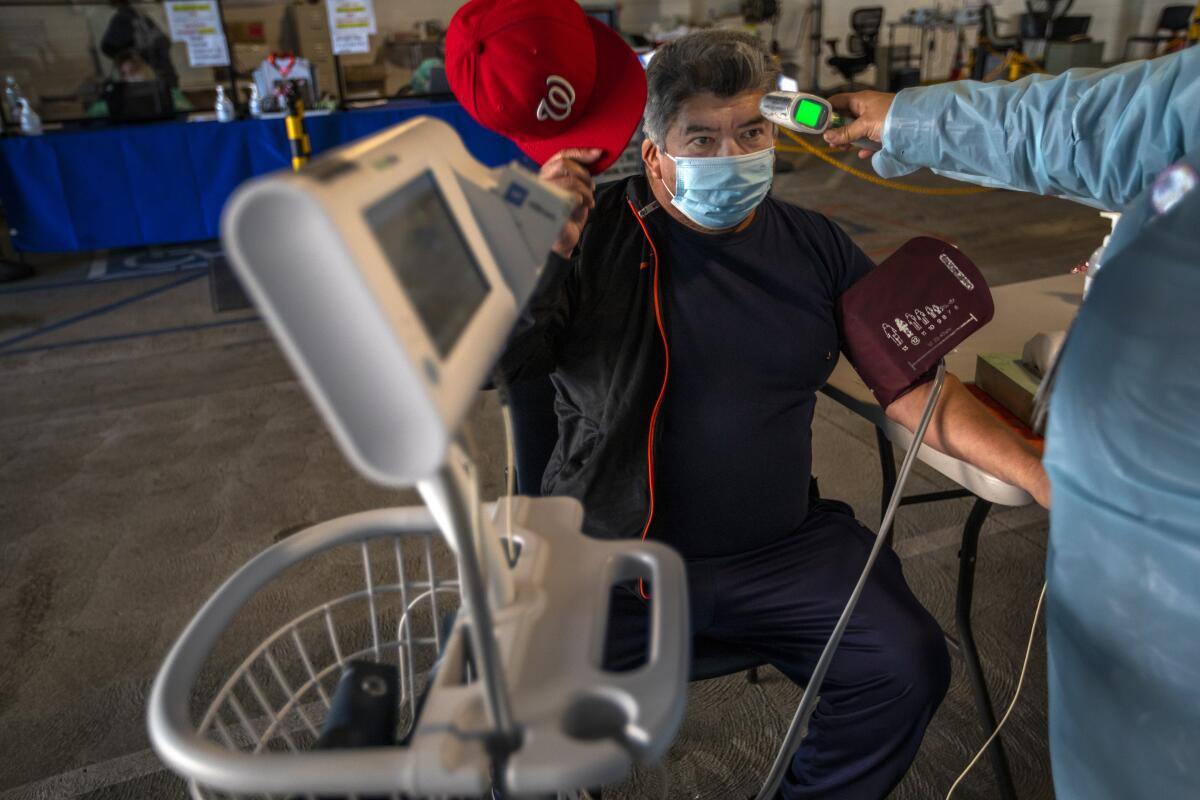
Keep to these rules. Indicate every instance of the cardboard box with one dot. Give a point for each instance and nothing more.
(247, 31)
(1006, 380)
(311, 16)
(310, 31)
(365, 80)
(247, 57)
(1062, 56)
(261, 25)
(326, 75)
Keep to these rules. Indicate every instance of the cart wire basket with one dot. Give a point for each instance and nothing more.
(390, 591)
(370, 603)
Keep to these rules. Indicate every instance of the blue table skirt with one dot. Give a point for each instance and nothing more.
(167, 182)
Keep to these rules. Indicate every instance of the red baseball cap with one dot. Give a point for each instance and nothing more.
(547, 76)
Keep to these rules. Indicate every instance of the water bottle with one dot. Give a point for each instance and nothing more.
(12, 96)
(225, 110)
(31, 123)
(255, 101)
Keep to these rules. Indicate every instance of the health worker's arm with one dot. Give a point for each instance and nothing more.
(1096, 136)
(962, 427)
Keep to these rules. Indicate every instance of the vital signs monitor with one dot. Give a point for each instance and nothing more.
(392, 271)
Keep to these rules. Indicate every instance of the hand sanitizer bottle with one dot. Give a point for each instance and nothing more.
(31, 123)
(12, 96)
(225, 110)
(255, 101)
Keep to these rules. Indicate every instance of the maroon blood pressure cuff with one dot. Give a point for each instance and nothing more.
(909, 312)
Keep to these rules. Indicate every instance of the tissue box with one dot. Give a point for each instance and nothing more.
(1006, 380)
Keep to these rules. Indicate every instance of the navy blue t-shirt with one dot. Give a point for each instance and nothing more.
(750, 321)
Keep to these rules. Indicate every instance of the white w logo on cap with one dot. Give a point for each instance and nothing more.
(556, 105)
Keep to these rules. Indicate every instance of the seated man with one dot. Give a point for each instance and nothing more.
(687, 320)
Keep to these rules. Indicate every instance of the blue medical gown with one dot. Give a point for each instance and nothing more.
(1123, 441)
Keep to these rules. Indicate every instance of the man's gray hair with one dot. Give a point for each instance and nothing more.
(719, 62)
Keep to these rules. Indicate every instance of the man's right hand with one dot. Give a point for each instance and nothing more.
(566, 170)
(870, 110)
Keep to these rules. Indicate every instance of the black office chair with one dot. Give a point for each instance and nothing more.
(989, 30)
(1042, 16)
(535, 432)
(865, 23)
(1173, 19)
(991, 44)
(1023, 52)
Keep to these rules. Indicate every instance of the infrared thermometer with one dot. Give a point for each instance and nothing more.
(806, 113)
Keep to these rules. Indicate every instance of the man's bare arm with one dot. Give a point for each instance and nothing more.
(962, 427)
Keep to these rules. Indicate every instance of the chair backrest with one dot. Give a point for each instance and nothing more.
(1047, 19)
(535, 431)
(1035, 25)
(866, 23)
(987, 22)
(1174, 18)
(1067, 27)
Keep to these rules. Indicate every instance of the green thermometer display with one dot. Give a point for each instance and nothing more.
(808, 112)
(801, 112)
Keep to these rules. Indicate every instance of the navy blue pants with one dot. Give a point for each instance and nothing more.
(781, 603)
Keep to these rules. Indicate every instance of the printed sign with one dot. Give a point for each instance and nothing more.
(198, 23)
(350, 24)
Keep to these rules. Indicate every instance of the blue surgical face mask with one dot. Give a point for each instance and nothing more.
(721, 191)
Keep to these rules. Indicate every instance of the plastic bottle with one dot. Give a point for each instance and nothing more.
(224, 107)
(31, 123)
(12, 96)
(255, 101)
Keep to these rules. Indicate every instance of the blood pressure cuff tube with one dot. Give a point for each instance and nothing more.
(909, 312)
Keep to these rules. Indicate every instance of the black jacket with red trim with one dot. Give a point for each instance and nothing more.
(594, 325)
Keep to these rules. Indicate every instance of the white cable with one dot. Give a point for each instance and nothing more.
(808, 701)
(1020, 681)
(509, 482)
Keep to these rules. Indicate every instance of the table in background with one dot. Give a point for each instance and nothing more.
(1022, 310)
(163, 183)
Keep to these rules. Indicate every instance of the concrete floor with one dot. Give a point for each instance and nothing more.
(149, 446)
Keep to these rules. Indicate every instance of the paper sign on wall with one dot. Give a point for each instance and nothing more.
(198, 23)
(350, 23)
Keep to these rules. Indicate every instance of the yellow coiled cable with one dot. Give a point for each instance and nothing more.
(824, 155)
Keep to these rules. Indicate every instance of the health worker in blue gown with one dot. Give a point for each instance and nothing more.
(1123, 436)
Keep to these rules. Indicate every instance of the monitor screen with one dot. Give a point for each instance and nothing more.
(808, 112)
(607, 15)
(426, 251)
